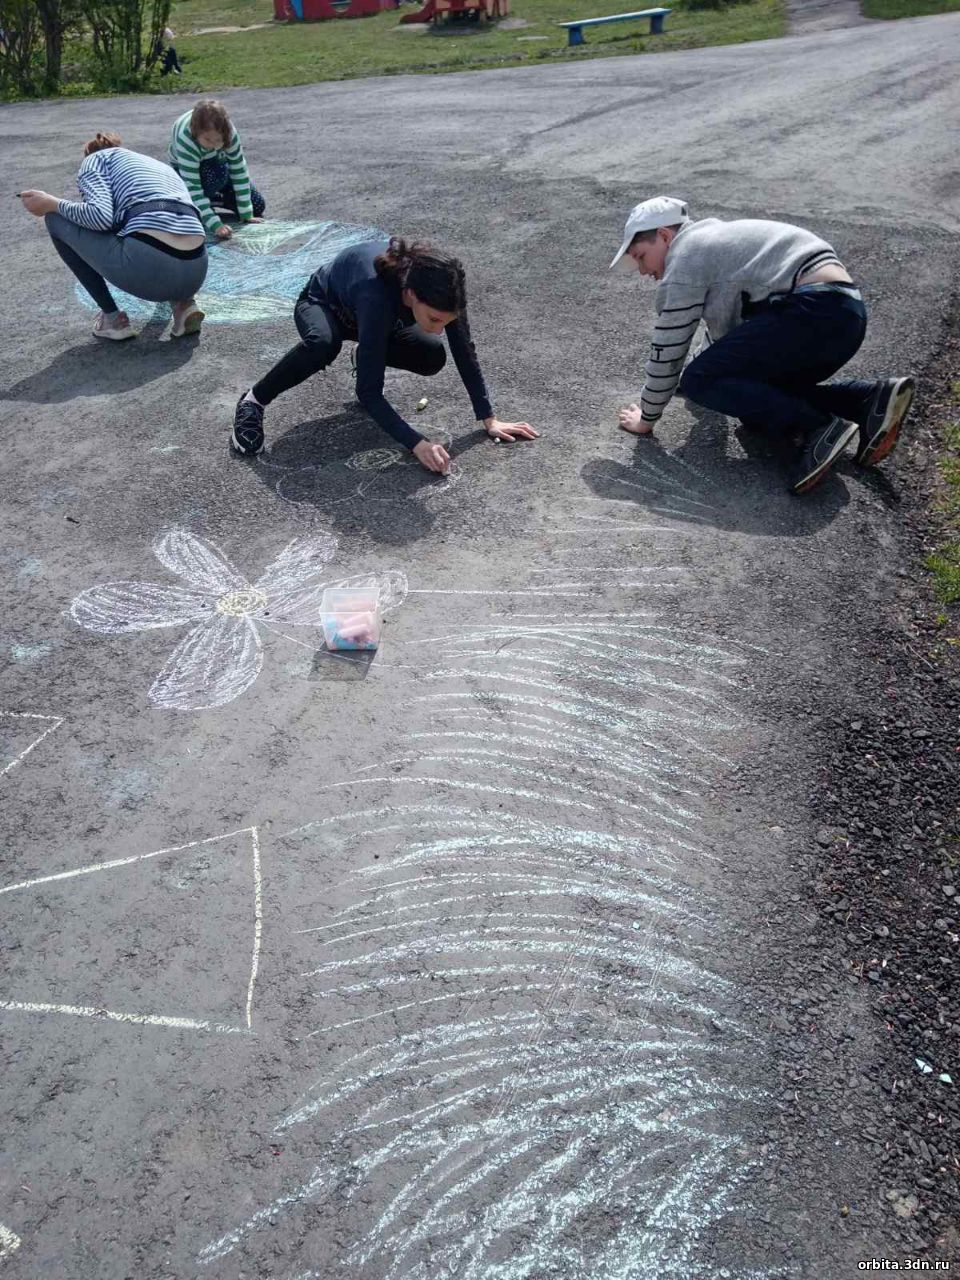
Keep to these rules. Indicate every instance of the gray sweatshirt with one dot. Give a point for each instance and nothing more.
(709, 265)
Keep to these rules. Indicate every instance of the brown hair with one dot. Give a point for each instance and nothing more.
(436, 278)
(102, 142)
(211, 114)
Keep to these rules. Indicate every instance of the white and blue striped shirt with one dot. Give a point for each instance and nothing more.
(111, 181)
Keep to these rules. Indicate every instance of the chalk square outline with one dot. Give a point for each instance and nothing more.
(153, 1019)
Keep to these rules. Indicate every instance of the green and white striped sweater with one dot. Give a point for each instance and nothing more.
(186, 155)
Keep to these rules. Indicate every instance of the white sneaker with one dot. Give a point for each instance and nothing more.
(116, 329)
(187, 323)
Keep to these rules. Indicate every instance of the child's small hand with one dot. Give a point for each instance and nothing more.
(254, 219)
(223, 232)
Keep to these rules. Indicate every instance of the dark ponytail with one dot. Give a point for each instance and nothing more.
(437, 279)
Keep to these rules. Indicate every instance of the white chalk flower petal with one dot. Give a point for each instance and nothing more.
(293, 584)
(203, 565)
(212, 665)
(116, 607)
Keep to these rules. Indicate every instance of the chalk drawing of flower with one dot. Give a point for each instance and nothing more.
(221, 656)
(311, 472)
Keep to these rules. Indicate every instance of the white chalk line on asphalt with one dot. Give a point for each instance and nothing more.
(123, 862)
(29, 715)
(257, 922)
(111, 1015)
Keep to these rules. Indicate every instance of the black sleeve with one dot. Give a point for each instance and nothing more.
(374, 323)
(468, 366)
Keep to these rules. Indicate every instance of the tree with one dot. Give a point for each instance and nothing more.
(56, 18)
(126, 38)
(19, 47)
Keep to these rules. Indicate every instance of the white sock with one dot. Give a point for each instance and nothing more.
(252, 398)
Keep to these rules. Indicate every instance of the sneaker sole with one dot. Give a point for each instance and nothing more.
(114, 335)
(190, 326)
(884, 439)
(237, 447)
(813, 479)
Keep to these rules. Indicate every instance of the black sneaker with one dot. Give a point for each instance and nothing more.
(888, 409)
(247, 437)
(820, 451)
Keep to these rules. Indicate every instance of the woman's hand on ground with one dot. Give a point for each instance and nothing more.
(432, 456)
(509, 431)
(223, 232)
(39, 202)
(631, 419)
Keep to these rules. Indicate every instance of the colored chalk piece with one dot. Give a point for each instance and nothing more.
(351, 617)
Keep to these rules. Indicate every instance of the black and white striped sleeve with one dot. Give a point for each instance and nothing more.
(679, 312)
(96, 210)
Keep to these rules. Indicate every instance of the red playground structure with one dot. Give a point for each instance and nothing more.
(432, 11)
(317, 10)
(459, 10)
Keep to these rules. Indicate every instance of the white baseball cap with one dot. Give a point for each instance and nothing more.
(658, 211)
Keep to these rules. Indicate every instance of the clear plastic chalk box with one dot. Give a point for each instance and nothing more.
(351, 617)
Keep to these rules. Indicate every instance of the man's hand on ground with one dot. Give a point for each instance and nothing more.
(631, 419)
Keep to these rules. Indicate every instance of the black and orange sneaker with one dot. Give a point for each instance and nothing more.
(889, 407)
(821, 449)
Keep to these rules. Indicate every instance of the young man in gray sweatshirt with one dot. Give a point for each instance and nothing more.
(782, 315)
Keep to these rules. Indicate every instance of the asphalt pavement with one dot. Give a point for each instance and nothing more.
(431, 962)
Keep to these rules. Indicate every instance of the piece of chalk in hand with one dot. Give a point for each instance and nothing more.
(496, 439)
(422, 404)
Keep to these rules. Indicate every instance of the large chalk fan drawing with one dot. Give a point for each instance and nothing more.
(259, 273)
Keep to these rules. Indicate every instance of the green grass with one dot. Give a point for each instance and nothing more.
(944, 564)
(302, 53)
(907, 8)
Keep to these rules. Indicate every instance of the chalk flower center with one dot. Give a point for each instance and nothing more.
(239, 604)
(374, 460)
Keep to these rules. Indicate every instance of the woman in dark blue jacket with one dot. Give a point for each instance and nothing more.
(394, 300)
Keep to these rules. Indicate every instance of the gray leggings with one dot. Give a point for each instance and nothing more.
(95, 257)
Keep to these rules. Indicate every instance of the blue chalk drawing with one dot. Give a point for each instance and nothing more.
(258, 273)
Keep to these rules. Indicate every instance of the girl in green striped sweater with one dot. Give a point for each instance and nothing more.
(205, 150)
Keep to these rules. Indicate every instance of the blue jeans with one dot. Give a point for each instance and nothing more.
(771, 370)
(217, 187)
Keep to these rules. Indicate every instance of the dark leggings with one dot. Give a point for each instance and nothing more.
(217, 187)
(323, 335)
(771, 370)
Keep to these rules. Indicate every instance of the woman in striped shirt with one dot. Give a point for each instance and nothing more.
(134, 226)
(205, 150)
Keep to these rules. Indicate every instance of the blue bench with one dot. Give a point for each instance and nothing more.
(575, 29)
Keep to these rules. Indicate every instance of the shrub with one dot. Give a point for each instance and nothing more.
(126, 40)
